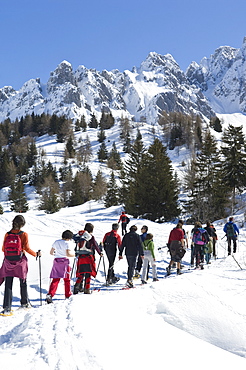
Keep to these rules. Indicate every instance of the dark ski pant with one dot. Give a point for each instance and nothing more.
(111, 258)
(87, 282)
(131, 260)
(234, 240)
(7, 300)
(123, 228)
(198, 253)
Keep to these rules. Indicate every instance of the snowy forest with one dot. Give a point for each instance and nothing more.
(129, 172)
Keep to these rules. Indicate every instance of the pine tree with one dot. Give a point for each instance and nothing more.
(81, 187)
(234, 160)
(101, 135)
(18, 197)
(206, 201)
(114, 160)
(99, 186)
(157, 191)
(112, 196)
(102, 152)
(93, 121)
(70, 147)
(130, 175)
(50, 201)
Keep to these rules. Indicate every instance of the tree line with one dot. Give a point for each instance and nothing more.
(145, 184)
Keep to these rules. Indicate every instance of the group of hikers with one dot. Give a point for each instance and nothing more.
(138, 249)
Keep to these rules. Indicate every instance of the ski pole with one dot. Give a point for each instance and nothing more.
(236, 261)
(40, 278)
(96, 272)
(104, 270)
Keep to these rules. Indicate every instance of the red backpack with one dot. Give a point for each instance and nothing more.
(12, 246)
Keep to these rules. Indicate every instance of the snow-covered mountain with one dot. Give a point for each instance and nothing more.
(158, 84)
(222, 79)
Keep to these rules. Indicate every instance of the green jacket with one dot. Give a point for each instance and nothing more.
(148, 245)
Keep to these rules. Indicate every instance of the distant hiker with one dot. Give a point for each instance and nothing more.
(61, 249)
(15, 263)
(86, 266)
(144, 230)
(110, 242)
(200, 239)
(133, 246)
(212, 234)
(149, 257)
(176, 246)
(231, 231)
(124, 219)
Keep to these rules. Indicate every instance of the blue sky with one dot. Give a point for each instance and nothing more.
(36, 35)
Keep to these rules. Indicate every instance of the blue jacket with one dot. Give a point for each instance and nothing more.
(234, 226)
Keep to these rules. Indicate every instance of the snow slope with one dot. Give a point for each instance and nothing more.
(196, 320)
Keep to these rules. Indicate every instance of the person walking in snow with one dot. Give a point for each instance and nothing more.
(133, 247)
(200, 239)
(61, 249)
(144, 230)
(124, 219)
(176, 246)
(231, 231)
(16, 268)
(86, 266)
(149, 257)
(110, 242)
(212, 235)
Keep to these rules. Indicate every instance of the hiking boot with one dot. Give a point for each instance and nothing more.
(155, 279)
(115, 279)
(168, 270)
(143, 282)
(87, 291)
(6, 312)
(179, 272)
(76, 288)
(129, 284)
(109, 282)
(137, 275)
(26, 305)
(49, 298)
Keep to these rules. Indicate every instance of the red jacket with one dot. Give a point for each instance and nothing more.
(176, 234)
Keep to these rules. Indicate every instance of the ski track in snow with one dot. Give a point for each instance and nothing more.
(114, 329)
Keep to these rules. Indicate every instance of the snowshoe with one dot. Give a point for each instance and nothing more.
(6, 312)
(49, 299)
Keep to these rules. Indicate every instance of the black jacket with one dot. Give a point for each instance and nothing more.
(132, 243)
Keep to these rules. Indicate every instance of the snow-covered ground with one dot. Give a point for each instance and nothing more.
(196, 320)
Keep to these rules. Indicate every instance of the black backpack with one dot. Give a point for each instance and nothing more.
(110, 241)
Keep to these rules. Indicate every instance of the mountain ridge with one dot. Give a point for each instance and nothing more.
(215, 85)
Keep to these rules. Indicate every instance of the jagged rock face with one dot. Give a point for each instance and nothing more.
(222, 79)
(158, 84)
(28, 99)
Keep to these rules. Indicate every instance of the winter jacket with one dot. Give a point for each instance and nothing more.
(114, 239)
(236, 230)
(123, 218)
(148, 245)
(176, 235)
(132, 244)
